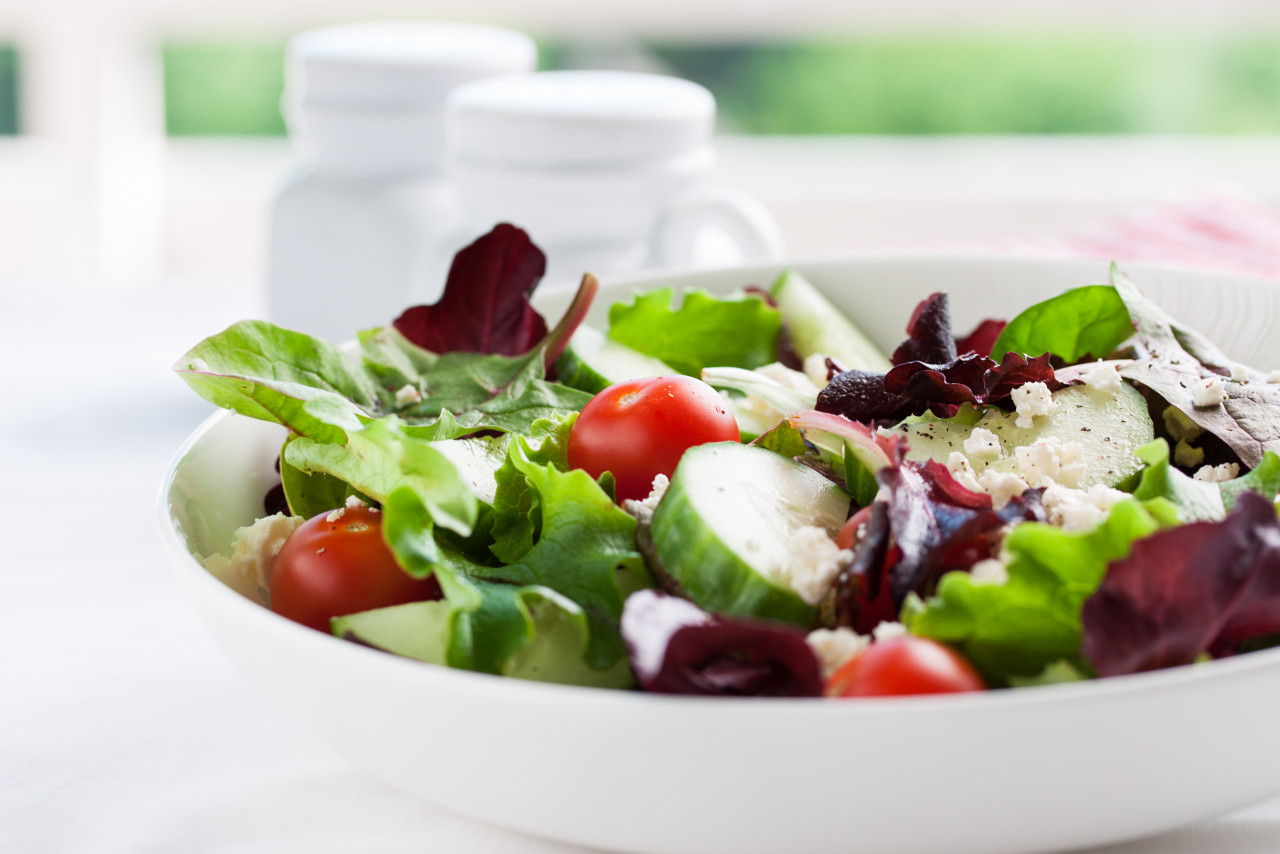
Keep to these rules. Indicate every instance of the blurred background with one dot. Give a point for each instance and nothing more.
(141, 140)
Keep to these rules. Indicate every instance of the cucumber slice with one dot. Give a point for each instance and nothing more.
(817, 326)
(593, 362)
(722, 530)
(1110, 426)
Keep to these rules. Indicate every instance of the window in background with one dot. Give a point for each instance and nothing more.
(223, 89)
(915, 85)
(9, 69)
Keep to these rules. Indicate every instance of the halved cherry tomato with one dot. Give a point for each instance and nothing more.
(330, 568)
(641, 428)
(904, 665)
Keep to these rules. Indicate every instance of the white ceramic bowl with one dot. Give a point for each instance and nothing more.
(1010, 771)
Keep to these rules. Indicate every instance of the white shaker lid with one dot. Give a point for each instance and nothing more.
(577, 118)
(399, 64)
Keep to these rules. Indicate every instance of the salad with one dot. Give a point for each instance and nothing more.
(743, 496)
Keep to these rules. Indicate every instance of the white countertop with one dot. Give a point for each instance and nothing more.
(122, 728)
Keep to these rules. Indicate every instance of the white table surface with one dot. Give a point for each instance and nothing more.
(122, 728)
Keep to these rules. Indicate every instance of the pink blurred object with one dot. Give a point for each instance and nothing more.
(1229, 231)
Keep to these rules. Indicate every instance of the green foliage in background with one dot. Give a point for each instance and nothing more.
(906, 84)
(223, 89)
(9, 90)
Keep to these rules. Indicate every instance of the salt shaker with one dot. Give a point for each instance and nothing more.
(364, 106)
(604, 169)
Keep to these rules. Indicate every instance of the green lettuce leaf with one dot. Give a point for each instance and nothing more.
(585, 550)
(1198, 500)
(704, 331)
(383, 456)
(527, 631)
(516, 504)
(311, 493)
(1020, 627)
(1088, 321)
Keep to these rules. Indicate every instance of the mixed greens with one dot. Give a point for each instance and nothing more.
(1088, 490)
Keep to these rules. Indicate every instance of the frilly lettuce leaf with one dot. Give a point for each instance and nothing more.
(1199, 500)
(1088, 321)
(516, 504)
(585, 551)
(1018, 628)
(704, 331)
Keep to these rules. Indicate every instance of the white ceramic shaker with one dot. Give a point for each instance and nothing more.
(604, 170)
(364, 105)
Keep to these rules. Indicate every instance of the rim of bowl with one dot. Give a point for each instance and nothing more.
(451, 679)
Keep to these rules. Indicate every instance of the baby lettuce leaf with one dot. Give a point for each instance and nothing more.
(525, 631)
(485, 307)
(703, 332)
(982, 339)
(1193, 589)
(1018, 628)
(274, 374)
(1088, 321)
(1198, 500)
(1174, 359)
(516, 504)
(383, 456)
(1194, 499)
(310, 493)
(929, 336)
(929, 377)
(677, 648)
(585, 550)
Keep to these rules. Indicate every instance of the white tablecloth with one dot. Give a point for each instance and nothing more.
(122, 729)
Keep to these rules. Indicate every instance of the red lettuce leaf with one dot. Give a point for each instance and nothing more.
(929, 337)
(914, 388)
(982, 338)
(485, 307)
(1186, 591)
(677, 648)
(927, 525)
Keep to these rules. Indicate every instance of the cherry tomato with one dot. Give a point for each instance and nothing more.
(641, 428)
(328, 569)
(904, 665)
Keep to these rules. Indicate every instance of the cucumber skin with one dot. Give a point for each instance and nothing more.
(710, 573)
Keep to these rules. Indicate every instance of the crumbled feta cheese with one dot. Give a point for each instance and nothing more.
(813, 562)
(1048, 461)
(815, 368)
(1179, 425)
(1218, 474)
(1078, 509)
(982, 444)
(1188, 455)
(1102, 376)
(835, 648)
(198, 365)
(253, 553)
(351, 503)
(1208, 392)
(1273, 377)
(1031, 400)
(643, 510)
(1002, 486)
(1239, 374)
(962, 471)
(651, 615)
(888, 631)
(989, 571)
(407, 395)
